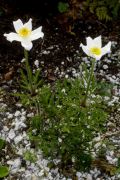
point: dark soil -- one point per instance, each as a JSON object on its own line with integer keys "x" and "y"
{"x": 64, "y": 44}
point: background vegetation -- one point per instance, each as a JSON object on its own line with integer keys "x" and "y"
{"x": 103, "y": 10}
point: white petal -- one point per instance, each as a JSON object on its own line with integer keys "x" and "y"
{"x": 97, "y": 57}
{"x": 106, "y": 49}
{"x": 85, "y": 49}
{"x": 90, "y": 42}
{"x": 29, "y": 24}
{"x": 27, "y": 45}
{"x": 37, "y": 33}
{"x": 97, "y": 42}
{"x": 17, "y": 25}
{"x": 12, "y": 37}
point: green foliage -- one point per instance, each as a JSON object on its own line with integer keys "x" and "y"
{"x": 104, "y": 9}
{"x": 104, "y": 89}
{"x": 102, "y": 13}
{"x": 35, "y": 79}
{"x": 119, "y": 162}
{"x": 4, "y": 171}
{"x": 63, "y": 127}
{"x": 85, "y": 77}
{"x": 63, "y": 7}
{"x": 29, "y": 156}
{"x": 29, "y": 83}
{"x": 28, "y": 95}
{"x": 2, "y": 143}
{"x": 118, "y": 166}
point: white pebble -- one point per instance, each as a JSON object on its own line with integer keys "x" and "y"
{"x": 97, "y": 145}
{"x": 17, "y": 139}
{"x": 66, "y": 76}
{"x": 89, "y": 177}
{"x": 15, "y": 167}
{"x": 5, "y": 128}
{"x": 78, "y": 174}
{"x": 10, "y": 162}
{"x": 10, "y": 116}
{"x": 105, "y": 66}
{"x": 23, "y": 118}
{"x": 11, "y": 134}
{"x": 17, "y": 113}
{"x": 36, "y": 63}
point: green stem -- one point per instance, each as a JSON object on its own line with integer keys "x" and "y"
{"x": 89, "y": 82}
{"x": 28, "y": 69}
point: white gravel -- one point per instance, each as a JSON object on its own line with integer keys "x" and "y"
{"x": 14, "y": 124}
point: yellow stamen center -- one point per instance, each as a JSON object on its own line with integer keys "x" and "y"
{"x": 24, "y": 32}
{"x": 95, "y": 50}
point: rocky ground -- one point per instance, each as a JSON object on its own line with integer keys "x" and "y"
{"x": 59, "y": 56}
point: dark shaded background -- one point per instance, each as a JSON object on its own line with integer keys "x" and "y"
{"x": 43, "y": 8}
{"x": 45, "y": 13}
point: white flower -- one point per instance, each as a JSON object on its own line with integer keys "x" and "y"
{"x": 94, "y": 47}
{"x": 24, "y": 33}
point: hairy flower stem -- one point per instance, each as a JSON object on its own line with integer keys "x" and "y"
{"x": 29, "y": 71}
{"x": 89, "y": 82}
